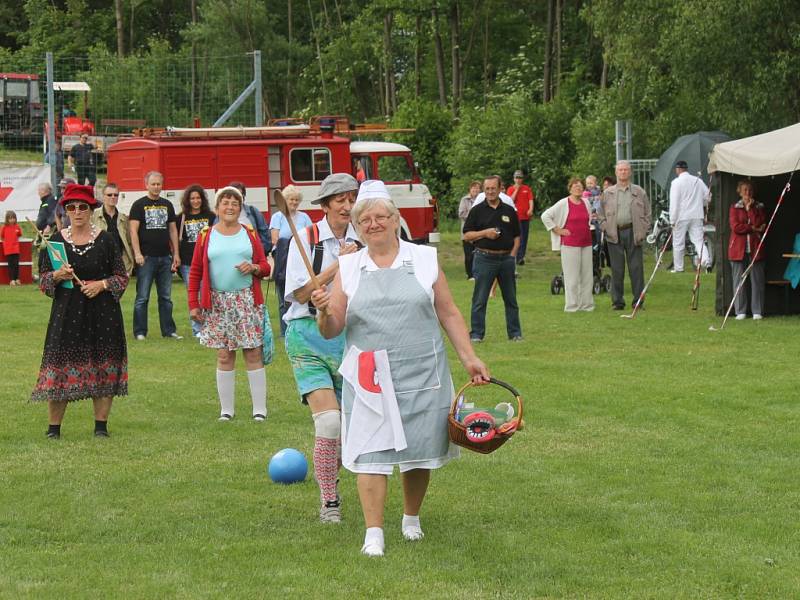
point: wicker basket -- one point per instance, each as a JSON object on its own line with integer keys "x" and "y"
{"x": 458, "y": 432}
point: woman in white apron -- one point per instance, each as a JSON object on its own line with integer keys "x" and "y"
{"x": 390, "y": 299}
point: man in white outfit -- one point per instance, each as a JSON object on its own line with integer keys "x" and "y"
{"x": 688, "y": 197}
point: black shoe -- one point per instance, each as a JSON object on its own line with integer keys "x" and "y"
{"x": 618, "y": 306}
{"x": 521, "y": 261}
{"x": 101, "y": 433}
{"x": 52, "y": 435}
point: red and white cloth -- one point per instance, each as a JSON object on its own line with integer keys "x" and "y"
{"x": 375, "y": 423}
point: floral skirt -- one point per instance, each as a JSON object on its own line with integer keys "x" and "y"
{"x": 233, "y": 322}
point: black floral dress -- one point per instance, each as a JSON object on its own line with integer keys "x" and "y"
{"x": 85, "y": 355}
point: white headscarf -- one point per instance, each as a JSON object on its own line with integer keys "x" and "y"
{"x": 372, "y": 188}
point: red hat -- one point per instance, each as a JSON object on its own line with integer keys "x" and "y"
{"x": 78, "y": 193}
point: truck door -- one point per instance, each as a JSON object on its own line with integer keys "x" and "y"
{"x": 274, "y": 181}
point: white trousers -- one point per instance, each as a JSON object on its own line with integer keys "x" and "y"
{"x": 576, "y": 263}
{"x": 695, "y": 228}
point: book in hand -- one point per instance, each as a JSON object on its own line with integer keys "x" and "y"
{"x": 58, "y": 253}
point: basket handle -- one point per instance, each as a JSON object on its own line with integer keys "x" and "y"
{"x": 517, "y": 419}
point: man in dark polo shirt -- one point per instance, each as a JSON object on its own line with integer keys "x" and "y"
{"x": 492, "y": 227}
{"x": 154, "y": 239}
{"x": 82, "y": 158}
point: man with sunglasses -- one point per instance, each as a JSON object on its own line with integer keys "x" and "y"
{"x": 82, "y": 159}
{"x": 109, "y": 219}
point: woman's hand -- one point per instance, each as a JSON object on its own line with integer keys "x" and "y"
{"x": 64, "y": 273}
{"x": 478, "y": 372}
{"x": 321, "y": 298}
{"x": 247, "y": 268}
{"x": 92, "y": 289}
{"x": 562, "y": 231}
{"x": 196, "y": 315}
{"x": 348, "y": 249}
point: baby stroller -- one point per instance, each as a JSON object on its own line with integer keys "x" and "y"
{"x": 602, "y": 281}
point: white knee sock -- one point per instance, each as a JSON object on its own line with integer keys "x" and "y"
{"x": 226, "y": 386}
{"x": 258, "y": 390}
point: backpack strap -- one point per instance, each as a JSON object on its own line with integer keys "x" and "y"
{"x": 317, "y": 253}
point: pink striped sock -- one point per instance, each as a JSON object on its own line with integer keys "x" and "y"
{"x": 326, "y": 467}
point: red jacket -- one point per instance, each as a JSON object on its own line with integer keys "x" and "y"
{"x": 10, "y": 235}
{"x": 743, "y": 224}
{"x": 199, "y": 274}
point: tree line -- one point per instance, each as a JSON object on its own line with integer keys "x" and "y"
{"x": 489, "y": 85}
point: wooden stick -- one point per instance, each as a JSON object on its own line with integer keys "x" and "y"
{"x": 55, "y": 251}
{"x": 280, "y": 202}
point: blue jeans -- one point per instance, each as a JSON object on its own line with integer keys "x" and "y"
{"x": 156, "y": 268}
{"x": 486, "y": 268}
{"x": 280, "y": 288}
{"x": 184, "y": 271}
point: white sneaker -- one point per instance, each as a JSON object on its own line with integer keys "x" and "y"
{"x": 757, "y": 317}
{"x": 743, "y": 317}
{"x": 330, "y": 512}
{"x": 175, "y": 336}
{"x": 140, "y": 337}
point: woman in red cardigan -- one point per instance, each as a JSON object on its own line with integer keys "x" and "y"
{"x": 748, "y": 219}
{"x": 225, "y": 298}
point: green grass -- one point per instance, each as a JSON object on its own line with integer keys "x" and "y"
{"x": 659, "y": 461}
{"x": 33, "y": 157}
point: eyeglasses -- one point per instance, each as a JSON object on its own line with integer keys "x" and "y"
{"x": 379, "y": 220}
{"x": 115, "y": 195}
{"x": 76, "y": 207}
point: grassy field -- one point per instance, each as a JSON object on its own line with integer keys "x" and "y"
{"x": 660, "y": 460}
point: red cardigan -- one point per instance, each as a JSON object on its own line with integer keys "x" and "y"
{"x": 199, "y": 274}
{"x": 743, "y": 223}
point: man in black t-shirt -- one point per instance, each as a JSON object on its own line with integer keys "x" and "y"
{"x": 82, "y": 158}
{"x": 492, "y": 227}
{"x": 154, "y": 238}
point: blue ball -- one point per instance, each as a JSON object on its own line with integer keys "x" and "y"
{"x": 288, "y": 466}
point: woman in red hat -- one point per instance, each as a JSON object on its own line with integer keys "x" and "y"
{"x": 85, "y": 355}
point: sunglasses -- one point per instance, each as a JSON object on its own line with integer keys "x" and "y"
{"x": 114, "y": 195}
{"x": 75, "y": 207}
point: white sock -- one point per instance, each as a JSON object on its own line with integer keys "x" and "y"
{"x": 226, "y": 386}
{"x": 411, "y": 528}
{"x": 258, "y": 390}
{"x": 373, "y": 542}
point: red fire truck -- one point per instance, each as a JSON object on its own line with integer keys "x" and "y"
{"x": 266, "y": 159}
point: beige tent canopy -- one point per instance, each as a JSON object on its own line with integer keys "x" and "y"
{"x": 770, "y": 153}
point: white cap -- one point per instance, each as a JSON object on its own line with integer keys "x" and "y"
{"x": 372, "y": 189}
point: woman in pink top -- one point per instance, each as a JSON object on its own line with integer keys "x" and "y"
{"x": 568, "y": 222}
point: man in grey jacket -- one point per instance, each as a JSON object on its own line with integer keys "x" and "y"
{"x": 624, "y": 216}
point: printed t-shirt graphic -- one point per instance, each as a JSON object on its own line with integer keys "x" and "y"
{"x": 156, "y": 216}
